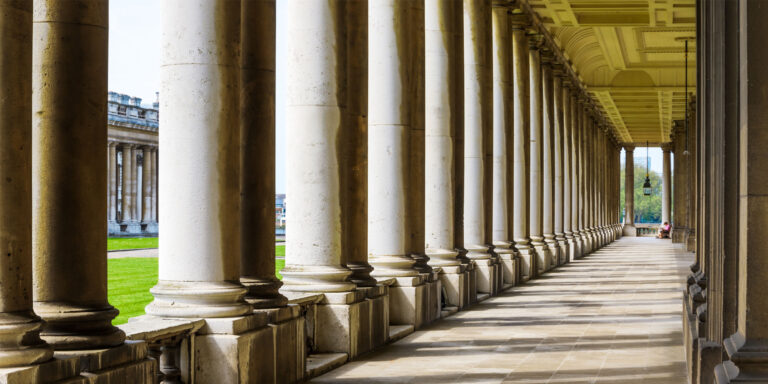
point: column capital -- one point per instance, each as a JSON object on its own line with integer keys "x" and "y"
{"x": 628, "y": 147}
{"x": 536, "y": 41}
{"x": 666, "y": 147}
{"x": 112, "y": 143}
{"x": 519, "y": 21}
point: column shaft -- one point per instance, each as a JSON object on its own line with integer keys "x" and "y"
{"x": 574, "y": 155}
{"x": 314, "y": 172}
{"x": 536, "y": 189}
{"x": 477, "y": 44}
{"x": 567, "y": 165}
{"x": 146, "y": 185}
{"x": 20, "y": 342}
{"x": 559, "y": 161}
{"x": 199, "y": 266}
{"x": 257, "y": 155}
{"x": 127, "y": 186}
{"x": 155, "y": 172}
{"x": 112, "y": 180}
{"x": 548, "y": 158}
{"x": 442, "y": 98}
{"x": 520, "y": 81}
{"x": 502, "y": 130}
{"x": 629, "y": 187}
{"x": 69, "y": 82}
{"x": 666, "y": 185}
{"x": 388, "y": 139}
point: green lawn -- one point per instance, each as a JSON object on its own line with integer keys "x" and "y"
{"x": 118, "y": 243}
{"x": 131, "y": 278}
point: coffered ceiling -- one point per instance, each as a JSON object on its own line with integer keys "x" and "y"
{"x": 630, "y": 54}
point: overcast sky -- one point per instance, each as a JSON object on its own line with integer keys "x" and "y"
{"x": 134, "y": 65}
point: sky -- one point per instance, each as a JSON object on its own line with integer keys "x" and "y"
{"x": 134, "y": 67}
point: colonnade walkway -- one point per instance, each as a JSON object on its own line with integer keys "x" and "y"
{"x": 613, "y": 316}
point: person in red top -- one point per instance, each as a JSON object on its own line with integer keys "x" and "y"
{"x": 664, "y": 230}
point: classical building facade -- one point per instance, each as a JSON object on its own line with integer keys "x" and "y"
{"x": 439, "y": 153}
{"x": 131, "y": 166}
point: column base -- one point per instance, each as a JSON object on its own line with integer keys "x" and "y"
{"x": 128, "y": 228}
{"x": 509, "y": 264}
{"x": 408, "y": 302}
{"x": 235, "y": 350}
{"x": 454, "y": 281}
{"x": 562, "y": 244}
{"x": 52, "y": 371}
{"x": 554, "y": 251}
{"x": 527, "y": 263}
{"x": 748, "y": 361}
{"x": 543, "y": 257}
{"x": 69, "y": 327}
{"x": 263, "y": 293}
{"x": 198, "y": 299}
{"x": 690, "y": 242}
{"x": 113, "y": 228}
{"x": 471, "y": 282}
{"x": 629, "y": 230}
{"x": 343, "y": 323}
{"x": 487, "y": 276}
{"x": 20, "y": 340}
{"x": 149, "y": 228}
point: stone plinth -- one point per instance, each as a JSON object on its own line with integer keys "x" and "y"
{"x": 455, "y": 281}
{"x": 408, "y": 301}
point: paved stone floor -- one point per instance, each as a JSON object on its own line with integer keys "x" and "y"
{"x": 611, "y": 317}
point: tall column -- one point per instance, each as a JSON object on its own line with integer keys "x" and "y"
{"x": 747, "y": 348}
{"x": 388, "y": 137}
{"x": 112, "y": 180}
{"x": 20, "y": 342}
{"x": 135, "y": 195}
{"x": 521, "y": 81}
{"x": 257, "y": 155}
{"x": 575, "y": 172}
{"x": 314, "y": 243}
{"x": 155, "y": 172}
{"x": 629, "y": 191}
{"x": 567, "y": 127}
{"x": 666, "y": 185}
{"x": 548, "y": 159}
{"x": 442, "y": 101}
{"x": 199, "y": 266}
{"x": 69, "y": 81}
{"x": 127, "y": 186}
{"x": 477, "y": 46}
{"x": 502, "y": 141}
{"x": 146, "y": 185}
{"x": 535, "y": 186}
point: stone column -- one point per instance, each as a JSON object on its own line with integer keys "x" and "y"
{"x": 666, "y": 185}
{"x": 521, "y": 81}
{"x": 442, "y": 98}
{"x": 146, "y": 187}
{"x": 127, "y": 186}
{"x": 112, "y": 180}
{"x": 69, "y": 82}
{"x": 567, "y": 126}
{"x": 313, "y": 246}
{"x": 155, "y": 172}
{"x": 502, "y": 143}
{"x": 535, "y": 183}
{"x": 577, "y": 250}
{"x": 629, "y": 191}
{"x": 548, "y": 159}
{"x": 199, "y": 258}
{"x": 477, "y": 45}
{"x": 19, "y": 326}
{"x": 135, "y": 193}
{"x": 257, "y": 155}
{"x": 747, "y": 348}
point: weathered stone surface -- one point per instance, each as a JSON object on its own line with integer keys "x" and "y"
{"x": 245, "y": 358}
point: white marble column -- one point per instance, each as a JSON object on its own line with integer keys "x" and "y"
{"x": 199, "y": 266}
{"x": 535, "y": 183}
{"x": 155, "y": 172}
{"x": 502, "y": 140}
{"x": 388, "y": 136}
{"x": 520, "y": 83}
{"x": 567, "y": 170}
{"x": 666, "y": 185}
{"x": 257, "y": 155}
{"x": 135, "y": 193}
{"x": 314, "y": 111}
{"x": 575, "y": 174}
{"x": 629, "y": 191}
{"x": 20, "y": 342}
{"x": 112, "y": 181}
{"x": 127, "y": 186}
{"x": 69, "y": 84}
{"x": 146, "y": 185}
{"x": 548, "y": 159}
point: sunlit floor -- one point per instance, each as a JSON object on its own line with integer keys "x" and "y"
{"x": 612, "y": 317}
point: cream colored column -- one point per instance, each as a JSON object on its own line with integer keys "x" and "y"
{"x": 536, "y": 188}
{"x": 629, "y": 191}
{"x": 127, "y": 186}
{"x": 441, "y": 94}
{"x": 575, "y": 174}
{"x": 257, "y": 154}
{"x": 146, "y": 185}
{"x": 112, "y": 180}
{"x": 502, "y": 139}
{"x": 134, "y": 174}
{"x": 199, "y": 266}
{"x": 567, "y": 126}
{"x": 69, "y": 173}
{"x": 520, "y": 83}
{"x": 388, "y": 137}
{"x": 666, "y": 186}
{"x": 20, "y": 342}
{"x": 475, "y": 98}
{"x": 314, "y": 110}
{"x": 548, "y": 159}
{"x": 155, "y": 172}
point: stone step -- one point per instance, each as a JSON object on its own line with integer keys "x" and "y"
{"x": 397, "y": 332}
{"x": 320, "y": 363}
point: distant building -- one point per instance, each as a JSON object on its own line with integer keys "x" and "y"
{"x": 280, "y": 214}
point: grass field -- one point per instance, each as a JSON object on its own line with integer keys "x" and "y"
{"x": 131, "y": 278}
{"x": 119, "y": 243}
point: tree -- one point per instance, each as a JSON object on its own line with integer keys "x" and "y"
{"x": 647, "y": 208}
